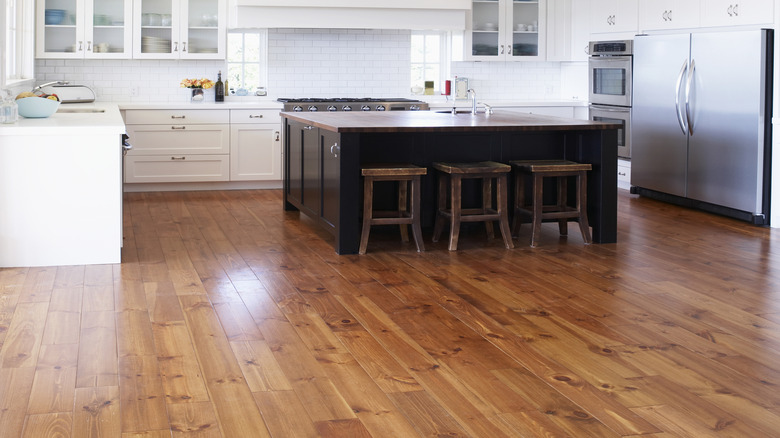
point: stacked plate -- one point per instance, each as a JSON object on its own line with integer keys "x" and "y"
{"x": 151, "y": 44}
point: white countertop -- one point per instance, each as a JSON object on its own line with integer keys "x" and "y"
{"x": 440, "y": 102}
{"x": 64, "y": 123}
{"x": 228, "y": 104}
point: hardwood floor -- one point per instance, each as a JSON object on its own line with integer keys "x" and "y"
{"x": 232, "y": 318}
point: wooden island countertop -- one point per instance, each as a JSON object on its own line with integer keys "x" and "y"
{"x": 324, "y": 151}
{"x": 430, "y": 121}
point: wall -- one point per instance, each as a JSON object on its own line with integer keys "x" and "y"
{"x": 312, "y": 63}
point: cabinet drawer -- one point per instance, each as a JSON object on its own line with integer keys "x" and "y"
{"x": 255, "y": 116}
{"x": 179, "y": 139}
{"x": 168, "y": 116}
{"x": 176, "y": 168}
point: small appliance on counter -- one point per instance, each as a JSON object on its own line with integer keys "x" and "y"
{"x": 70, "y": 93}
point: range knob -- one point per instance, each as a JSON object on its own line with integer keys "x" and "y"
{"x": 380, "y": 107}
{"x": 414, "y": 107}
{"x": 365, "y": 108}
{"x": 346, "y": 108}
{"x": 297, "y": 108}
{"x": 332, "y": 108}
{"x": 312, "y": 108}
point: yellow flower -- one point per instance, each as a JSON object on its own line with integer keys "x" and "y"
{"x": 196, "y": 83}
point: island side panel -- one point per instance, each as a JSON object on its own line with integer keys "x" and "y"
{"x": 599, "y": 148}
{"x": 344, "y": 186}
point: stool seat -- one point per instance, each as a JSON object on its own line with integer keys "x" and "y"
{"x": 561, "y": 211}
{"x": 487, "y": 171}
{"x": 408, "y": 212}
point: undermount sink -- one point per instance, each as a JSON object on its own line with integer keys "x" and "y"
{"x": 80, "y": 110}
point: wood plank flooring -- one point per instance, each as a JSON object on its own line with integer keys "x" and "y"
{"x": 232, "y": 318}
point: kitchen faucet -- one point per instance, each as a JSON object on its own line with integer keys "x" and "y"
{"x": 473, "y": 98}
{"x": 39, "y": 87}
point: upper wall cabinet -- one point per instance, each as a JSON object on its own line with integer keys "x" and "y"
{"x": 668, "y": 14}
{"x": 506, "y": 30}
{"x": 568, "y": 32}
{"x": 179, "y": 29}
{"x": 613, "y": 16}
{"x": 735, "y": 13}
{"x": 84, "y": 28}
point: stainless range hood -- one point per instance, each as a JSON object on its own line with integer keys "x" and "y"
{"x": 351, "y": 14}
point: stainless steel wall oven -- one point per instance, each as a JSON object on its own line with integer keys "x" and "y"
{"x": 610, "y": 90}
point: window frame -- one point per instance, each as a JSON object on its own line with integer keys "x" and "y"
{"x": 17, "y": 17}
{"x": 445, "y": 57}
{"x": 263, "y": 61}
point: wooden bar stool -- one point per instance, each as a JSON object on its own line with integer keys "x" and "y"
{"x": 404, "y": 174}
{"x": 561, "y": 211}
{"x": 487, "y": 171}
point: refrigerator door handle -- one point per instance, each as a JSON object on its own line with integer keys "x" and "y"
{"x": 689, "y": 85}
{"x": 680, "y": 77}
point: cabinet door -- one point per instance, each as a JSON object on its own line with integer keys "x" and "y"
{"x": 179, "y": 139}
{"x": 732, "y": 13}
{"x": 613, "y": 16}
{"x": 311, "y": 196}
{"x": 525, "y": 29}
{"x": 255, "y": 152}
{"x": 60, "y": 29}
{"x": 108, "y": 28}
{"x": 668, "y": 14}
{"x": 484, "y": 39}
{"x": 202, "y": 29}
{"x": 156, "y": 29}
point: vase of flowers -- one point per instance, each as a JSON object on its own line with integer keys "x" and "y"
{"x": 196, "y": 87}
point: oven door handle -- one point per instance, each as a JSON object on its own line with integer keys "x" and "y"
{"x": 609, "y": 108}
{"x": 677, "y": 105}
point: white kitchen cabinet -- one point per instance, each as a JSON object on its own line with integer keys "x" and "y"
{"x": 178, "y": 145}
{"x": 255, "y": 145}
{"x": 84, "y": 29}
{"x": 735, "y": 13}
{"x": 669, "y": 14}
{"x": 179, "y": 29}
{"x": 607, "y": 16}
{"x": 567, "y": 30}
{"x": 624, "y": 173}
{"x": 506, "y": 30}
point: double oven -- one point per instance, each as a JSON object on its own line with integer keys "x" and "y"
{"x": 609, "y": 74}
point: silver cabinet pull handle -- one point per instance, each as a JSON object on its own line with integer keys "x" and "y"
{"x": 178, "y": 117}
{"x": 335, "y": 149}
{"x": 179, "y": 127}
{"x": 277, "y": 136}
{"x": 308, "y": 127}
{"x": 178, "y": 158}
{"x": 184, "y": 46}
{"x": 252, "y": 116}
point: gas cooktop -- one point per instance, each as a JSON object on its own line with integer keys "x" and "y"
{"x": 351, "y": 104}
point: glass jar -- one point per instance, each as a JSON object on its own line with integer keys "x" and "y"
{"x": 9, "y": 111}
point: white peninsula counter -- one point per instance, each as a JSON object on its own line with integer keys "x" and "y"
{"x": 61, "y": 188}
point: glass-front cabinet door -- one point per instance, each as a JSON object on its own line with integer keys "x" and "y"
{"x": 180, "y": 29}
{"x": 505, "y": 30}
{"x": 84, "y": 29}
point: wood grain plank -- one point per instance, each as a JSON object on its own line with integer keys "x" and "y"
{"x": 181, "y": 375}
{"x": 23, "y": 341}
{"x": 285, "y": 415}
{"x": 193, "y": 420}
{"x": 53, "y": 391}
{"x": 427, "y": 416}
{"x": 134, "y": 333}
{"x": 15, "y": 386}
{"x": 38, "y": 284}
{"x": 54, "y": 425}
{"x": 259, "y": 366}
{"x": 96, "y": 412}
{"x": 98, "y": 336}
{"x": 141, "y": 395}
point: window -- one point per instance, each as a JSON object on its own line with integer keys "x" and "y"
{"x": 247, "y": 60}
{"x": 16, "y": 42}
{"x": 430, "y": 60}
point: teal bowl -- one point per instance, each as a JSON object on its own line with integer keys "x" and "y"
{"x": 37, "y": 107}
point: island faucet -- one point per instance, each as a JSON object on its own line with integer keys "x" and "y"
{"x": 473, "y": 97}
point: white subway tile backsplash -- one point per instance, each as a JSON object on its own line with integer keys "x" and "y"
{"x": 320, "y": 63}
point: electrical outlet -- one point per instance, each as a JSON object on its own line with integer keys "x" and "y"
{"x": 133, "y": 91}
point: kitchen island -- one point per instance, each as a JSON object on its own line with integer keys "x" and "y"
{"x": 61, "y": 188}
{"x": 323, "y": 153}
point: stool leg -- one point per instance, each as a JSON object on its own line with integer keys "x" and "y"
{"x": 415, "y": 214}
{"x": 455, "y": 188}
{"x": 519, "y": 202}
{"x": 563, "y": 227}
{"x": 536, "y": 230}
{"x": 582, "y": 205}
{"x": 438, "y": 226}
{"x": 402, "y": 200}
{"x": 501, "y": 207}
{"x": 487, "y": 203}
{"x": 368, "y": 199}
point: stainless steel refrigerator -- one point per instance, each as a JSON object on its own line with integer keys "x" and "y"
{"x": 701, "y": 122}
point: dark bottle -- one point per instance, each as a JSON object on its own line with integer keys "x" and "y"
{"x": 219, "y": 89}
